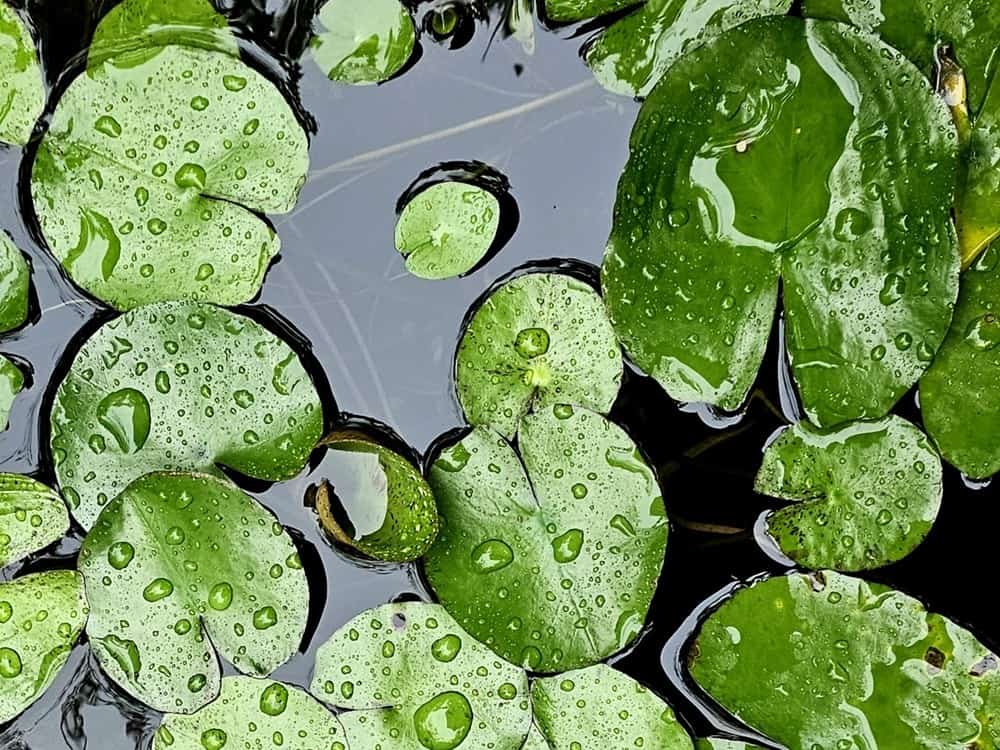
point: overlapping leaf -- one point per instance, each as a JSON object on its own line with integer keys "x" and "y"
{"x": 363, "y": 41}
{"x": 15, "y": 279}
{"x": 32, "y": 516}
{"x": 11, "y": 384}
{"x": 22, "y": 92}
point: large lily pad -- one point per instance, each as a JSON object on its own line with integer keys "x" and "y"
{"x": 863, "y": 496}
{"x": 179, "y": 568}
{"x": 11, "y": 384}
{"x": 182, "y": 386}
{"x": 775, "y": 152}
{"x": 538, "y": 340}
{"x": 552, "y": 563}
{"x": 22, "y": 92}
{"x": 150, "y": 181}
{"x": 411, "y": 678}
{"x": 32, "y": 516}
{"x": 599, "y": 708}
{"x": 830, "y": 661}
{"x": 254, "y": 714}
{"x": 364, "y": 41}
{"x": 41, "y": 616}
{"x": 14, "y": 281}
{"x": 959, "y": 395}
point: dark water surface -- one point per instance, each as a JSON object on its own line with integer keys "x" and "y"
{"x": 384, "y": 340}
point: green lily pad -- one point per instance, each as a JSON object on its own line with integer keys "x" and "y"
{"x": 632, "y": 55}
{"x": 389, "y": 506}
{"x": 180, "y": 568}
{"x": 959, "y": 397}
{"x": 863, "y": 495}
{"x": 410, "y": 678}
{"x": 364, "y": 41}
{"x": 599, "y": 708}
{"x": 551, "y": 563}
{"x": 447, "y": 229}
{"x": 11, "y": 384}
{"x": 32, "y": 517}
{"x": 579, "y": 10}
{"x": 149, "y": 183}
{"x": 22, "y": 91}
{"x": 185, "y": 386}
{"x": 773, "y": 153}
{"x": 15, "y": 277}
{"x": 41, "y": 616}
{"x": 827, "y": 660}
{"x": 538, "y": 340}
{"x": 255, "y": 714}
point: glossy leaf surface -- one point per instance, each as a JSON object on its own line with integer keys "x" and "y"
{"x": 22, "y": 92}
{"x": 363, "y": 41}
{"x": 15, "y": 278}
{"x": 32, "y": 517}
{"x": 11, "y": 384}
{"x": 578, "y": 10}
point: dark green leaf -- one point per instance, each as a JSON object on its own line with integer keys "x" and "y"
{"x": 22, "y": 92}
{"x": 364, "y": 41}
{"x": 32, "y": 516}
{"x": 15, "y": 279}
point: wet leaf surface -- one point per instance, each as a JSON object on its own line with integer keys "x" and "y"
{"x": 15, "y": 279}
{"x": 22, "y": 92}
{"x": 714, "y": 743}
{"x": 32, "y": 516}
{"x": 363, "y": 42}
{"x": 578, "y": 10}
{"x": 11, "y": 384}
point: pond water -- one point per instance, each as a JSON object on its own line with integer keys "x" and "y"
{"x": 381, "y": 341}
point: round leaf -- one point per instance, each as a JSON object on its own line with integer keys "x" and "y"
{"x": 149, "y": 183}
{"x": 959, "y": 396}
{"x": 831, "y": 661}
{"x": 772, "y": 152}
{"x": 579, "y": 10}
{"x": 32, "y": 517}
{"x": 412, "y": 679}
{"x": 11, "y": 384}
{"x": 864, "y": 495}
{"x": 447, "y": 229}
{"x": 254, "y": 714}
{"x": 22, "y": 92}
{"x": 180, "y": 567}
{"x": 179, "y": 386}
{"x": 15, "y": 278}
{"x": 539, "y": 339}
{"x": 599, "y": 708}
{"x": 364, "y": 41}
{"x": 552, "y": 563}
{"x": 41, "y": 616}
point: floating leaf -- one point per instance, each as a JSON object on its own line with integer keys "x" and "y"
{"x": 388, "y": 504}
{"x": 22, "y": 92}
{"x": 539, "y": 339}
{"x": 412, "y": 679}
{"x": 32, "y": 516}
{"x": 776, "y": 153}
{"x": 863, "y": 496}
{"x": 447, "y": 229}
{"x": 552, "y": 563}
{"x": 364, "y": 41}
{"x": 179, "y": 385}
{"x": 830, "y": 661}
{"x": 11, "y": 384}
{"x": 254, "y": 714}
{"x": 959, "y": 397}
{"x": 180, "y": 567}
{"x": 578, "y": 10}
{"x": 599, "y": 708}
{"x": 41, "y": 616}
{"x": 149, "y": 183}
{"x": 14, "y": 281}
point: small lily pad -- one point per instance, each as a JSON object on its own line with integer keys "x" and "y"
{"x": 11, "y": 384}
{"x": 257, "y": 714}
{"x": 537, "y": 340}
{"x": 447, "y": 229}
{"x": 551, "y": 563}
{"x": 579, "y": 10}
{"x": 41, "y": 616}
{"x": 410, "y": 678}
{"x": 388, "y": 504}
{"x": 959, "y": 397}
{"x": 15, "y": 277}
{"x": 22, "y": 91}
{"x": 180, "y": 568}
{"x": 599, "y": 708}
{"x": 364, "y": 41}
{"x": 863, "y": 496}
{"x": 32, "y": 517}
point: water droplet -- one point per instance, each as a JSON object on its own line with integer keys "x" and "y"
{"x": 983, "y": 333}
{"x": 892, "y": 290}
{"x": 199, "y": 104}
{"x": 274, "y": 699}
{"x": 562, "y": 411}
{"x": 213, "y": 739}
{"x": 160, "y": 588}
{"x": 234, "y": 83}
{"x": 622, "y": 524}
{"x": 443, "y": 722}
{"x": 197, "y": 683}
{"x": 108, "y": 125}
{"x": 120, "y": 554}
{"x": 851, "y": 224}
{"x": 507, "y": 691}
{"x": 191, "y": 176}
{"x": 566, "y": 548}
{"x": 10, "y": 663}
{"x": 264, "y": 618}
{"x": 125, "y": 414}
{"x": 531, "y": 342}
{"x": 492, "y": 555}
{"x": 447, "y": 648}
{"x": 220, "y": 597}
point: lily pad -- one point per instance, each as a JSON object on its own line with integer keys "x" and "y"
{"x": 11, "y": 384}
{"x": 180, "y": 568}
{"x": 15, "y": 277}
{"x": 856, "y": 665}
{"x": 863, "y": 496}
{"x": 599, "y": 708}
{"x": 256, "y": 714}
{"x": 959, "y": 397}
{"x": 150, "y": 182}
{"x": 32, "y": 517}
{"x": 185, "y": 386}
{"x": 632, "y": 55}
{"x": 22, "y": 91}
{"x": 364, "y": 41}
{"x": 447, "y": 229}
{"x": 537, "y": 340}
{"x": 41, "y": 616}
{"x": 551, "y": 563}
{"x": 390, "y": 510}
{"x": 410, "y": 678}
{"x": 773, "y": 153}
{"x": 579, "y": 10}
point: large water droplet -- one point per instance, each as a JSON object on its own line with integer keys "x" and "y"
{"x": 274, "y": 699}
{"x": 492, "y": 555}
{"x": 125, "y": 414}
{"x": 213, "y": 739}
{"x": 532, "y": 342}
{"x": 983, "y": 333}
{"x": 10, "y": 663}
{"x": 160, "y": 588}
{"x": 443, "y": 722}
{"x": 447, "y": 648}
{"x": 120, "y": 554}
{"x": 566, "y": 547}
{"x": 220, "y": 597}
